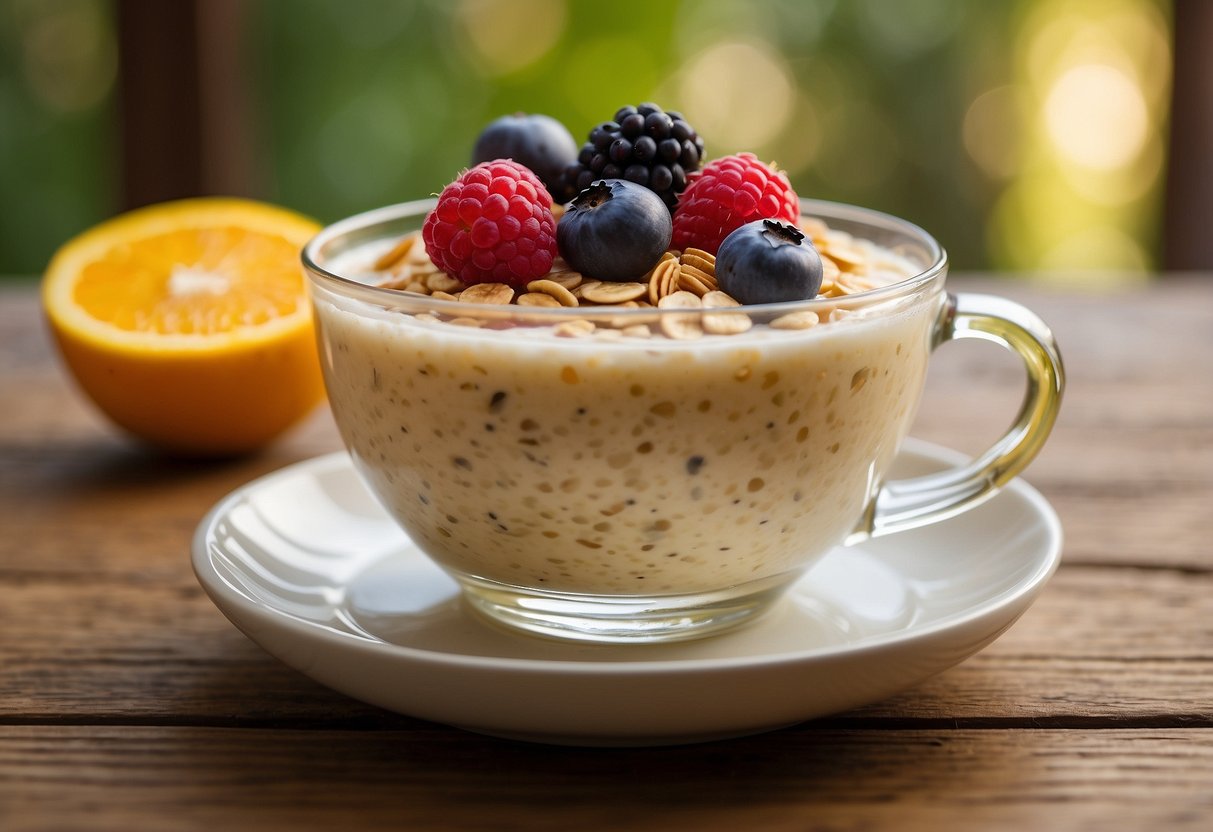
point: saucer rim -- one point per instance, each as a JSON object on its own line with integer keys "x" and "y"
{"x": 215, "y": 584}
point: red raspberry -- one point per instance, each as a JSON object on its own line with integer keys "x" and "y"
{"x": 493, "y": 224}
{"x": 728, "y": 193}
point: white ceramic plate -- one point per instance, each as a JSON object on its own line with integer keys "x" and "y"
{"x": 306, "y": 563}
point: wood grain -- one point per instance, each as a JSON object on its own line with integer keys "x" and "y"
{"x": 127, "y": 701}
{"x": 189, "y": 778}
{"x": 93, "y": 648}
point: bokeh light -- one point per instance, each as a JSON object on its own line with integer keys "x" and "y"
{"x": 1096, "y": 117}
{"x": 1094, "y": 75}
{"x": 740, "y": 93}
{"x": 1028, "y": 135}
{"x": 69, "y": 57}
{"x": 507, "y": 37}
{"x": 992, "y": 131}
{"x": 588, "y": 88}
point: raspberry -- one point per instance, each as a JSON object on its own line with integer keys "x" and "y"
{"x": 728, "y": 193}
{"x": 493, "y": 224}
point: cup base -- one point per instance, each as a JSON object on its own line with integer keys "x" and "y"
{"x": 621, "y": 619}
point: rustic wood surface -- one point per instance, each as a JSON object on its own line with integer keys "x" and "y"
{"x": 127, "y": 701}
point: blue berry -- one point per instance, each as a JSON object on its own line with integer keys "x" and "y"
{"x": 768, "y": 261}
{"x": 539, "y": 142}
{"x": 614, "y": 230}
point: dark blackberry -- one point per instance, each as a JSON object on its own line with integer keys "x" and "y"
{"x": 643, "y": 144}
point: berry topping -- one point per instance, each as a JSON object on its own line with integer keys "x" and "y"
{"x": 540, "y": 142}
{"x": 645, "y": 145}
{"x": 614, "y": 230}
{"x": 767, "y": 261}
{"x": 727, "y": 194}
{"x": 493, "y": 224}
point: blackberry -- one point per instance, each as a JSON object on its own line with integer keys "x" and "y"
{"x": 645, "y": 145}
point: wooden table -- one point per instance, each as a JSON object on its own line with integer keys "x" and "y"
{"x": 128, "y": 702}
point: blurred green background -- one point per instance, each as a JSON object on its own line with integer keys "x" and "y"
{"x": 1025, "y": 134}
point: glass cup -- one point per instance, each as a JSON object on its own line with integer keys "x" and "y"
{"x": 584, "y": 482}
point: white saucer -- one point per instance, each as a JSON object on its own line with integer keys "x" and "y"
{"x": 306, "y": 563}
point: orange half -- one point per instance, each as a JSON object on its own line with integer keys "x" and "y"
{"x": 188, "y": 323}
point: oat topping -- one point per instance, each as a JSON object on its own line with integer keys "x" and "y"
{"x": 724, "y": 323}
{"x": 796, "y": 320}
{"x": 537, "y": 299}
{"x": 550, "y": 287}
{"x": 611, "y": 293}
{"x": 395, "y": 254}
{"x": 663, "y": 279}
{"x": 681, "y": 327}
{"x": 492, "y": 293}
{"x": 680, "y": 279}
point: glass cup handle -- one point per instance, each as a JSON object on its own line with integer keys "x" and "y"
{"x": 911, "y": 503}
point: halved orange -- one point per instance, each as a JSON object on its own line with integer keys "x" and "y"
{"x": 188, "y": 323}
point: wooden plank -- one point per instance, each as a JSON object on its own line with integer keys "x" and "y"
{"x": 142, "y": 645}
{"x": 1100, "y": 646}
{"x": 188, "y": 778}
{"x": 1137, "y": 527}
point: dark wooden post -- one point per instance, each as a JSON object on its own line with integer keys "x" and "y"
{"x": 1188, "y": 217}
{"x": 183, "y": 100}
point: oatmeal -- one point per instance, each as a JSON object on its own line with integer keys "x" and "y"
{"x": 601, "y": 453}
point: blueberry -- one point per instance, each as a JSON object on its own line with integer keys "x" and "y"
{"x": 614, "y": 230}
{"x": 540, "y": 142}
{"x": 767, "y": 261}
